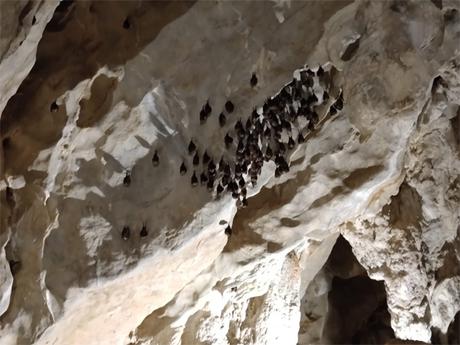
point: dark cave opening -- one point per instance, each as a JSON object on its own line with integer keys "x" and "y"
{"x": 358, "y": 311}
{"x": 452, "y": 336}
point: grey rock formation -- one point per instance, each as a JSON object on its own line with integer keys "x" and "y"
{"x": 359, "y": 242}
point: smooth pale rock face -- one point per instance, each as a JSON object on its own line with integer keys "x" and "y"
{"x": 130, "y": 78}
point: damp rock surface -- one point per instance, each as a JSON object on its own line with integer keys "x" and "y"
{"x": 113, "y": 232}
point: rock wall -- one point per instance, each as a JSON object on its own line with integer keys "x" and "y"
{"x": 90, "y": 90}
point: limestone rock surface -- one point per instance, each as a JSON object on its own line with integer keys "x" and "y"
{"x": 358, "y": 243}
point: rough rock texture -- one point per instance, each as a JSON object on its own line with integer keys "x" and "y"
{"x": 367, "y": 219}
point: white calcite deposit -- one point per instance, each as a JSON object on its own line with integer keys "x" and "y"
{"x": 130, "y": 78}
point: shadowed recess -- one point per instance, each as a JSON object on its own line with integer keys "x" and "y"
{"x": 94, "y": 108}
{"x": 351, "y": 50}
{"x": 360, "y": 176}
{"x": 358, "y": 309}
{"x": 405, "y": 208}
